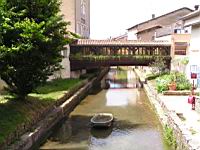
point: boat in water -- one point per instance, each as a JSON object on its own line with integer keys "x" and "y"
{"x": 102, "y": 120}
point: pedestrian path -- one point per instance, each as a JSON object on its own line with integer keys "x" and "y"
{"x": 189, "y": 117}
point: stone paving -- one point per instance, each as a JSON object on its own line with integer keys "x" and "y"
{"x": 189, "y": 117}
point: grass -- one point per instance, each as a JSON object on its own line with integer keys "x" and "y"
{"x": 169, "y": 137}
{"x": 14, "y": 113}
{"x": 57, "y": 85}
{"x": 55, "y": 89}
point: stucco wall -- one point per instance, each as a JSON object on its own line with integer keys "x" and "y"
{"x": 147, "y": 35}
{"x": 132, "y": 34}
{"x": 68, "y": 10}
{"x": 191, "y": 21}
{"x": 164, "y": 20}
{"x": 83, "y": 19}
{"x": 194, "y": 52}
{"x": 195, "y": 38}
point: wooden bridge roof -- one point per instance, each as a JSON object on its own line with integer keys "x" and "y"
{"x": 89, "y": 42}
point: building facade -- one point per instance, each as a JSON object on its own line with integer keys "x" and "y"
{"x": 146, "y": 30}
{"x": 192, "y": 20}
{"x": 77, "y": 12}
{"x": 178, "y": 36}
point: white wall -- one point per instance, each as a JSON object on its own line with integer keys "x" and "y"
{"x": 192, "y": 21}
{"x": 132, "y": 35}
{"x": 194, "y": 51}
{"x": 195, "y": 38}
{"x": 68, "y": 10}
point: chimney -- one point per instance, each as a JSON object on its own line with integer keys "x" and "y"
{"x": 196, "y": 7}
{"x": 153, "y": 16}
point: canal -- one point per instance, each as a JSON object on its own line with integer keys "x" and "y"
{"x": 135, "y": 125}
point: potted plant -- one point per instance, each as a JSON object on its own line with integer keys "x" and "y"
{"x": 172, "y": 84}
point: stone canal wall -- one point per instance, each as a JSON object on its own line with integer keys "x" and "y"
{"x": 170, "y": 118}
{"x": 62, "y": 109}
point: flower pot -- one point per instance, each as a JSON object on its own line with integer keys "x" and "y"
{"x": 172, "y": 86}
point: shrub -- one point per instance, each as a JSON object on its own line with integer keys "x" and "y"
{"x": 169, "y": 137}
{"x": 182, "y": 83}
{"x": 162, "y": 83}
{"x": 154, "y": 76}
{"x": 159, "y": 65}
{"x": 32, "y": 35}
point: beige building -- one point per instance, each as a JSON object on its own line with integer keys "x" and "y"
{"x": 185, "y": 37}
{"x": 178, "y": 36}
{"x": 146, "y": 30}
{"x": 179, "y": 39}
{"x": 77, "y": 12}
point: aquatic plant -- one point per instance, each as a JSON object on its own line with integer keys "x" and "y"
{"x": 169, "y": 136}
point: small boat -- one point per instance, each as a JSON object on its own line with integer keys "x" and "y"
{"x": 102, "y": 120}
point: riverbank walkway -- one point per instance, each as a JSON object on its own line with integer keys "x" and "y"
{"x": 190, "y": 119}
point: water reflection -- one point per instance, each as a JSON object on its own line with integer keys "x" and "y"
{"x": 135, "y": 126}
{"x": 101, "y": 133}
{"x": 122, "y": 97}
{"x": 64, "y": 133}
{"x": 122, "y": 79}
{"x": 128, "y": 140}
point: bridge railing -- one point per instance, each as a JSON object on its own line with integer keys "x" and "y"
{"x": 88, "y": 62}
{"x": 91, "y": 53}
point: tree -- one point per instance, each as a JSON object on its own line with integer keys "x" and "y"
{"x": 159, "y": 65}
{"x": 32, "y": 36}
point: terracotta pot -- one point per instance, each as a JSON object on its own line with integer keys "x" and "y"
{"x": 172, "y": 86}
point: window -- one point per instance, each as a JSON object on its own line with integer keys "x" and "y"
{"x": 177, "y": 31}
{"x": 180, "y": 48}
{"x": 82, "y": 21}
{"x": 83, "y": 7}
{"x": 153, "y": 38}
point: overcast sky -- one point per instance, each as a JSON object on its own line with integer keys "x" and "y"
{"x": 110, "y": 18}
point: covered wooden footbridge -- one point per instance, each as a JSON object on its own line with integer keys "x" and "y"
{"x": 87, "y": 54}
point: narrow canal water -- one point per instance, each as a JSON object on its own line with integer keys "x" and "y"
{"x": 135, "y": 126}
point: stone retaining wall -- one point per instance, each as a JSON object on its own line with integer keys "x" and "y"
{"x": 169, "y": 118}
{"x": 60, "y": 110}
{"x": 23, "y": 128}
{"x": 182, "y": 134}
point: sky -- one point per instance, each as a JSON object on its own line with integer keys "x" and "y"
{"x": 111, "y": 18}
